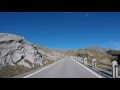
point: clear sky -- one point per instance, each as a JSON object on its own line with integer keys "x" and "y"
{"x": 64, "y": 30}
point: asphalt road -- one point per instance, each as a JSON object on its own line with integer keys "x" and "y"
{"x": 65, "y": 68}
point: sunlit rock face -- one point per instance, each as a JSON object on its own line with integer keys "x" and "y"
{"x": 15, "y": 50}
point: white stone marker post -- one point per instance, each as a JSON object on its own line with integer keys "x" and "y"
{"x": 85, "y": 61}
{"x": 94, "y": 63}
{"x": 114, "y": 69}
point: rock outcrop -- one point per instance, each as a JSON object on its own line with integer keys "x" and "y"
{"x": 115, "y": 54}
{"x": 15, "y": 50}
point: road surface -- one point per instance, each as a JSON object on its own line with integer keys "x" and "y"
{"x": 64, "y": 68}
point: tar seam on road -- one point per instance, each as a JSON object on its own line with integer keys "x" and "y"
{"x": 43, "y": 68}
{"x": 88, "y": 69}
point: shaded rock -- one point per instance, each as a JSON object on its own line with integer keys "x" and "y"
{"x": 115, "y": 54}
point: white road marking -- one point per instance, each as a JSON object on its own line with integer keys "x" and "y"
{"x": 88, "y": 69}
{"x": 43, "y": 68}
{"x": 58, "y": 62}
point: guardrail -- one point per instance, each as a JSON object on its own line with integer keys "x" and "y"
{"x": 117, "y": 71}
{"x": 112, "y": 72}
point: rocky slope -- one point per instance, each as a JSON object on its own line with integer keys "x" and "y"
{"x": 15, "y": 50}
{"x": 50, "y": 54}
{"x": 115, "y": 54}
{"x": 100, "y": 49}
{"x": 90, "y": 54}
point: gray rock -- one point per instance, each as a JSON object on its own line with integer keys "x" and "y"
{"x": 15, "y": 50}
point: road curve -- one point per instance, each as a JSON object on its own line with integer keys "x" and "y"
{"x": 65, "y": 68}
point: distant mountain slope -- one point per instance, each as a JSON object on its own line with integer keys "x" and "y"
{"x": 16, "y": 50}
{"x": 101, "y": 49}
{"x": 90, "y": 54}
{"x": 50, "y": 54}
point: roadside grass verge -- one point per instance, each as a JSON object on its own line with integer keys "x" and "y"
{"x": 119, "y": 71}
{"x": 11, "y": 71}
{"x": 105, "y": 67}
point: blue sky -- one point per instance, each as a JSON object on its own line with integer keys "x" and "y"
{"x": 64, "y": 30}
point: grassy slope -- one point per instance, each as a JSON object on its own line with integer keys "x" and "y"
{"x": 10, "y": 71}
{"x": 105, "y": 58}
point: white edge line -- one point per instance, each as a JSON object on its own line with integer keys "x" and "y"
{"x": 88, "y": 69}
{"x": 43, "y": 68}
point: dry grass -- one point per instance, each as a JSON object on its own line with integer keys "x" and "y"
{"x": 105, "y": 67}
{"x": 10, "y": 71}
{"x": 104, "y": 59}
{"x": 47, "y": 62}
{"x": 90, "y": 54}
{"x": 119, "y": 71}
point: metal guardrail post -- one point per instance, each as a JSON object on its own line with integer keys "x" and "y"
{"x": 115, "y": 69}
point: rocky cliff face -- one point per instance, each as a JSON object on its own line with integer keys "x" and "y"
{"x": 15, "y": 50}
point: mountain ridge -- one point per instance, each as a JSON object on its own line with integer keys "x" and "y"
{"x": 15, "y": 51}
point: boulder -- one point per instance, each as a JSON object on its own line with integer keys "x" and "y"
{"x": 15, "y": 50}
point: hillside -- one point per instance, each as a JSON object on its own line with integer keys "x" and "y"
{"x": 90, "y": 54}
{"x": 17, "y": 55}
{"x": 100, "y": 49}
{"x": 50, "y": 54}
{"x": 15, "y": 50}
{"x": 115, "y": 54}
